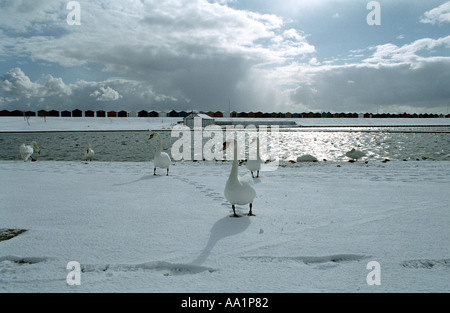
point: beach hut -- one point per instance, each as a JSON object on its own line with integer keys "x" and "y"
{"x": 42, "y": 113}
{"x": 288, "y": 115}
{"x": 122, "y": 114}
{"x": 259, "y": 115}
{"x": 234, "y": 114}
{"x": 251, "y": 114}
{"x": 53, "y": 113}
{"x": 4, "y": 113}
{"x": 66, "y": 114}
{"x": 153, "y": 114}
{"x": 367, "y": 115}
{"x": 89, "y": 113}
{"x": 218, "y": 114}
{"x": 173, "y": 113}
{"x": 132, "y": 114}
{"x": 205, "y": 120}
{"x": 101, "y": 113}
{"x": 210, "y": 113}
{"x": 30, "y": 113}
{"x": 182, "y": 114}
{"x": 143, "y": 113}
{"x": 112, "y": 114}
{"x": 296, "y": 115}
{"x": 77, "y": 113}
{"x": 16, "y": 113}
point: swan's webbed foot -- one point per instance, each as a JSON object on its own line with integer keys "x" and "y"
{"x": 234, "y": 212}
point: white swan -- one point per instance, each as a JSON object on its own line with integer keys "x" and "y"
{"x": 161, "y": 159}
{"x": 238, "y": 190}
{"x": 255, "y": 165}
{"x": 26, "y": 151}
{"x": 89, "y": 154}
{"x": 355, "y": 154}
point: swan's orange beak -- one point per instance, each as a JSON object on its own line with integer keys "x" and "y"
{"x": 225, "y": 146}
{"x": 151, "y": 137}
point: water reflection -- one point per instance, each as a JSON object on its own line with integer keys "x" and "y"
{"x": 330, "y": 145}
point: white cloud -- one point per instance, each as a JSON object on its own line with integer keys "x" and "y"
{"x": 16, "y": 83}
{"x": 199, "y": 54}
{"x": 106, "y": 94}
{"x": 409, "y": 53}
{"x": 439, "y": 15}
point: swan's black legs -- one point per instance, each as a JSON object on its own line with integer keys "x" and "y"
{"x": 252, "y": 175}
{"x": 234, "y": 211}
{"x": 257, "y": 174}
{"x": 250, "y": 212}
{"x": 154, "y": 171}
{"x": 167, "y": 172}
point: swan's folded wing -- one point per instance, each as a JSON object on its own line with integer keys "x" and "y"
{"x": 246, "y": 179}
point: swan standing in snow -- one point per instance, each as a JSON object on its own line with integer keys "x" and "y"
{"x": 161, "y": 159}
{"x": 238, "y": 190}
{"x": 355, "y": 154}
{"x": 89, "y": 154}
{"x": 26, "y": 151}
{"x": 255, "y": 165}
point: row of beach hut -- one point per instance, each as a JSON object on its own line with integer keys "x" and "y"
{"x": 217, "y": 114}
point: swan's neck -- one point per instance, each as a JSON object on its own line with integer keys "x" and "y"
{"x": 234, "y": 168}
{"x": 257, "y": 149}
{"x": 159, "y": 147}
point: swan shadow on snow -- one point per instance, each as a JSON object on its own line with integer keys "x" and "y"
{"x": 223, "y": 228}
{"x": 256, "y": 180}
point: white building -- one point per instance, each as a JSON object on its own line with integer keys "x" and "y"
{"x": 197, "y": 119}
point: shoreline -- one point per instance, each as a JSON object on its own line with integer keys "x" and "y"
{"x": 89, "y": 124}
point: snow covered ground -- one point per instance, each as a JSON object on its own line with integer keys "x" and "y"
{"x": 316, "y": 229}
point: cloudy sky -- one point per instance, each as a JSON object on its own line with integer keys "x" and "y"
{"x": 250, "y": 55}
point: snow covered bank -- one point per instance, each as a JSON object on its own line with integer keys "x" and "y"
{"x": 19, "y": 124}
{"x": 316, "y": 228}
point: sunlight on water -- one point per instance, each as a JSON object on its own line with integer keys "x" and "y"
{"x": 329, "y": 144}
